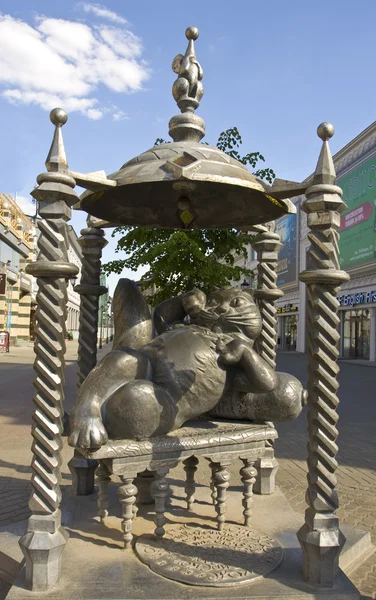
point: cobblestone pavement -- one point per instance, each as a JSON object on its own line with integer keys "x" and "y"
{"x": 356, "y": 473}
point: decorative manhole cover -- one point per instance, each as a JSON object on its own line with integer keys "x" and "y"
{"x": 199, "y": 556}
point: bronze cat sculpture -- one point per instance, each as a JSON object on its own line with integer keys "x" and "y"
{"x": 202, "y": 361}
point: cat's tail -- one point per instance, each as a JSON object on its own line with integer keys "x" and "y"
{"x": 132, "y": 318}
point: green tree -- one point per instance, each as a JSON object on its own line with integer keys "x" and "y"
{"x": 179, "y": 260}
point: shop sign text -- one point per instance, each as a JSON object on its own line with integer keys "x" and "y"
{"x": 360, "y": 298}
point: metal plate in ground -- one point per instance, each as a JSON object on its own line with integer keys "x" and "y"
{"x": 207, "y": 557}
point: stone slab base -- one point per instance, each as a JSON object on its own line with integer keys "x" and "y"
{"x": 11, "y": 557}
{"x": 96, "y": 567}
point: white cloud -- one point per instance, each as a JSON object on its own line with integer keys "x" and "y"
{"x": 119, "y": 116}
{"x": 60, "y": 62}
{"x": 26, "y": 204}
{"x": 121, "y": 41}
{"x": 49, "y": 101}
{"x": 102, "y": 12}
{"x": 94, "y": 113}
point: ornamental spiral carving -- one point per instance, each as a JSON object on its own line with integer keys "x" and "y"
{"x": 92, "y": 243}
{"x": 323, "y": 337}
{"x": 49, "y": 365}
{"x": 267, "y": 245}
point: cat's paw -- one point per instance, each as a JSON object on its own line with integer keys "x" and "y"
{"x": 230, "y": 353}
{"x": 87, "y": 433}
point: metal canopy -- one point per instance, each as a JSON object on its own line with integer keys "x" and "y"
{"x": 186, "y": 183}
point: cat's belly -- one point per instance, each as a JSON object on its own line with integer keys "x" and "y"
{"x": 186, "y": 364}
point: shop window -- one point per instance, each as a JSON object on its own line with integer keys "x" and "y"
{"x": 356, "y": 334}
{"x": 291, "y": 331}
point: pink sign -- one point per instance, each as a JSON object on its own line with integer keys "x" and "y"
{"x": 358, "y": 215}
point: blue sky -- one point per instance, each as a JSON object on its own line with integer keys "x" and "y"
{"x": 273, "y": 69}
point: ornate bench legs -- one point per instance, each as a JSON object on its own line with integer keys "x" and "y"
{"x": 159, "y": 491}
{"x": 190, "y": 467}
{"x": 213, "y": 467}
{"x": 248, "y": 474}
{"x": 127, "y": 496}
{"x": 220, "y": 478}
{"x": 103, "y": 479}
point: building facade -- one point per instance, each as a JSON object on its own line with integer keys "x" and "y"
{"x": 73, "y": 306}
{"x": 17, "y": 249}
{"x": 105, "y": 316}
{"x": 356, "y": 174}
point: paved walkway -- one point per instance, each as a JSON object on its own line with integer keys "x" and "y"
{"x": 356, "y": 473}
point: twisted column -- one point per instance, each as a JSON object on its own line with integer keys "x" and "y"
{"x": 267, "y": 245}
{"x": 92, "y": 243}
{"x": 320, "y": 537}
{"x": 45, "y": 539}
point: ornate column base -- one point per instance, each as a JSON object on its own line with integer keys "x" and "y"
{"x": 83, "y": 470}
{"x": 321, "y": 550}
{"x": 267, "y": 468}
{"x": 42, "y": 546}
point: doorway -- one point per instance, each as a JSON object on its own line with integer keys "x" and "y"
{"x": 356, "y": 334}
{"x": 290, "y": 332}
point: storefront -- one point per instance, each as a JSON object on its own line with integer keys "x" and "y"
{"x": 288, "y": 321}
{"x": 358, "y": 324}
{"x": 356, "y": 336}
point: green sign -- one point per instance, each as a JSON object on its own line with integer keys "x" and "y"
{"x": 358, "y": 223}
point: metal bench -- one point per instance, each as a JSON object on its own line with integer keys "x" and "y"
{"x": 217, "y": 441}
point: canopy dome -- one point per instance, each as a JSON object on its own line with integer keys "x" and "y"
{"x": 185, "y": 183}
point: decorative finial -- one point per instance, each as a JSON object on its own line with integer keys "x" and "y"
{"x": 192, "y": 33}
{"x": 187, "y": 90}
{"x": 56, "y": 159}
{"x": 325, "y": 131}
{"x": 325, "y": 172}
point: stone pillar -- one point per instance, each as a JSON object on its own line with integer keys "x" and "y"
{"x": 44, "y": 542}
{"x": 320, "y": 537}
{"x": 92, "y": 243}
{"x": 267, "y": 245}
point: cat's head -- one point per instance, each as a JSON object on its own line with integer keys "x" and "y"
{"x": 228, "y": 310}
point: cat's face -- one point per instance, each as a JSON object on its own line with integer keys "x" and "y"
{"x": 231, "y": 310}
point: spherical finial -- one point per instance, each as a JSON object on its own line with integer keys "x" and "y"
{"x": 325, "y": 131}
{"x": 58, "y": 116}
{"x": 192, "y": 33}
